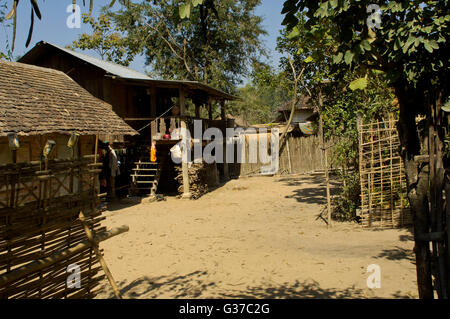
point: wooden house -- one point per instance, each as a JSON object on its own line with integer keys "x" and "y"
{"x": 38, "y": 104}
{"x": 144, "y": 103}
{"x": 42, "y": 107}
{"x": 43, "y": 193}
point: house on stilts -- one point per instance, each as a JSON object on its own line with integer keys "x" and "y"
{"x": 49, "y": 128}
{"x": 155, "y": 108}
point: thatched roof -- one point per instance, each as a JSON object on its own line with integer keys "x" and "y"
{"x": 303, "y": 103}
{"x": 36, "y": 100}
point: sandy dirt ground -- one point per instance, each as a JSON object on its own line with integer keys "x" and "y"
{"x": 256, "y": 237}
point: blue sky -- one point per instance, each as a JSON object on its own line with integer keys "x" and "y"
{"x": 53, "y": 27}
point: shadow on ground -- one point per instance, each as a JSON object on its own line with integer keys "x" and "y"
{"x": 398, "y": 253}
{"x": 197, "y": 285}
{"x": 121, "y": 203}
{"x": 310, "y": 195}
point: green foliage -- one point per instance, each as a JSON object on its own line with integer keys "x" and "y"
{"x": 358, "y": 84}
{"x": 410, "y": 47}
{"x": 105, "y": 39}
{"x": 185, "y": 8}
{"x": 267, "y": 90}
{"x": 340, "y": 117}
{"x": 340, "y": 120}
{"x": 349, "y": 200}
{"x": 214, "y": 44}
{"x": 345, "y": 93}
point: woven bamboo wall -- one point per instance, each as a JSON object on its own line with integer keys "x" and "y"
{"x": 301, "y": 154}
{"x": 384, "y": 201}
{"x": 39, "y": 216}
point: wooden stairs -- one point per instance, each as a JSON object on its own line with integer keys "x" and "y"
{"x": 145, "y": 177}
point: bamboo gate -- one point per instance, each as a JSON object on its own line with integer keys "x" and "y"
{"x": 40, "y": 231}
{"x": 384, "y": 202}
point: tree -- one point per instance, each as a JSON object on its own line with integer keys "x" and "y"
{"x": 8, "y": 53}
{"x": 267, "y": 90}
{"x": 105, "y": 39}
{"x": 338, "y": 100}
{"x": 185, "y": 9}
{"x": 214, "y": 43}
{"x": 410, "y": 47}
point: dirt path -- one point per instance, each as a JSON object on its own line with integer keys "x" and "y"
{"x": 253, "y": 238}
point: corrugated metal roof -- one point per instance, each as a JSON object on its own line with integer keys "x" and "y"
{"x": 120, "y": 72}
{"x": 112, "y": 68}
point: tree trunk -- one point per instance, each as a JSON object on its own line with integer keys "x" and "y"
{"x": 417, "y": 176}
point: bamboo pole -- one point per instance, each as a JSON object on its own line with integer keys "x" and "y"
{"x": 289, "y": 155}
{"x": 380, "y": 154}
{"x": 100, "y": 258}
{"x": 59, "y": 256}
{"x": 360, "y": 142}
{"x": 371, "y": 180}
{"x": 96, "y": 148}
{"x": 391, "y": 151}
{"x": 325, "y": 154}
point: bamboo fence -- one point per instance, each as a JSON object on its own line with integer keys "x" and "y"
{"x": 384, "y": 202}
{"x": 39, "y": 209}
{"x": 302, "y": 154}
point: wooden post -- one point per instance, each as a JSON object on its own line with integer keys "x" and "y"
{"x": 108, "y": 274}
{"x": 13, "y": 181}
{"x": 391, "y": 178}
{"x": 380, "y": 154}
{"x": 289, "y": 155}
{"x": 223, "y": 114}
{"x": 327, "y": 178}
{"x": 325, "y": 154}
{"x": 96, "y": 148}
{"x": 182, "y": 101}
{"x": 226, "y": 173}
{"x": 96, "y": 177}
{"x": 184, "y": 164}
{"x": 153, "y": 101}
{"x": 197, "y": 110}
{"x": 14, "y": 156}
{"x": 361, "y": 166}
{"x": 210, "y": 115}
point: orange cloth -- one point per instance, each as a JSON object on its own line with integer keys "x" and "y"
{"x": 153, "y": 154}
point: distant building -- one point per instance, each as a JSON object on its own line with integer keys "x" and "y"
{"x": 304, "y": 111}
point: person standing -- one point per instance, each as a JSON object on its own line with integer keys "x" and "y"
{"x": 114, "y": 170}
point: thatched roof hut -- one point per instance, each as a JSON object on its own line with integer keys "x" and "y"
{"x": 38, "y": 101}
